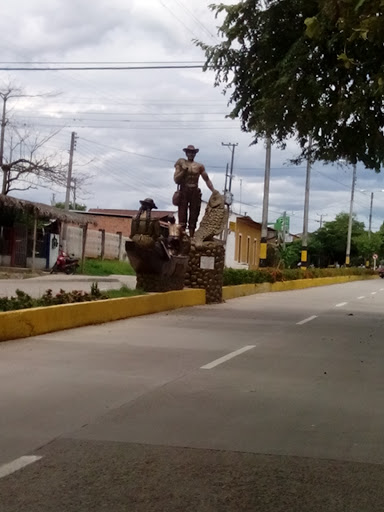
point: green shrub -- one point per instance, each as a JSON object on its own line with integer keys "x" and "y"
{"x": 270, "y": 275}
{"x": 25, "y": 301}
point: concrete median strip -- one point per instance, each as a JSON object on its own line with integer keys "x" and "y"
{"x": 242, "y": 290}
{"x": 35, "y": 321}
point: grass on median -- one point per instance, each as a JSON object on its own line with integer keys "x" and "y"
{"x": 124, "y": 291}
{"x": 97, "y": 267}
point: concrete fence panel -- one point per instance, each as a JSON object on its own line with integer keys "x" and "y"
{"x": 93, "y": 245}
{"x": 114, "y": 244}
{"x": 75, "y": 241}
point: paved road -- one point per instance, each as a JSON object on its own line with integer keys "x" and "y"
{"x": 36, "y": 286}
{"x": 266, "y": 403}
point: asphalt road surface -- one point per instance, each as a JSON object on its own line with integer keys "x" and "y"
{"x": 273, "y": 402}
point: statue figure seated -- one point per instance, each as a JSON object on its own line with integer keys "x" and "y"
{"x": 145, "y": 231}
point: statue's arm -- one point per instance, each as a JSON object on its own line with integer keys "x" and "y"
{"x": 204, "y": 175}
{"x": 180, "y": 172}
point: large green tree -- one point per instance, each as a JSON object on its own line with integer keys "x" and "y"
{"x": 306, "y": 67}
{"x": 328, "y": 245}
{"x": 369, "y": 244}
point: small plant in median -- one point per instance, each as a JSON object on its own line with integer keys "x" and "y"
{"x": 25, "y": 301}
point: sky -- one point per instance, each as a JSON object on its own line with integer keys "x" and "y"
{"x": 131, "y": 125}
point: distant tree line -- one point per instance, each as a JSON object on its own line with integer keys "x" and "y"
{"x": 327, "y": 246}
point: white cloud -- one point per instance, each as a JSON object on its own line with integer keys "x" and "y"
{"x": 119, "y": 115}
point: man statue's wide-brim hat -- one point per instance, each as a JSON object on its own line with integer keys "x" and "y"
{"x": 191, "y": 148}
{"x": 148, "y": 202}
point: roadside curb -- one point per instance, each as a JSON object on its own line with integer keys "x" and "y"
{"x": 35, "y": 321}
{"x": 242, "y": 290}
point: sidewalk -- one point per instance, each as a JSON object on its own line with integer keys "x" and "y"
{"x": 36, "y": 286}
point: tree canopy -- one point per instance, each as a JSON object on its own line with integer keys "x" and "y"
{"x": 72, "y": 206}
{"x": 306, "y": 68}
{"x": 328, "y": 244}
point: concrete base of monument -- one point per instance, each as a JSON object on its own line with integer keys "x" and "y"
{"x": 205, "y": 269}
{"x": 157, "y": 270}
{"x": 160, "y": 283}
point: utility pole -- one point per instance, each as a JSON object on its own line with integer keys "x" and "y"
{"x": 321, "y": 215}
{"x": 228, "y": 184}
{"x": 241, "y": 192}
{"x": 348, "y": 252}
{"x": 69, "y": 183}
{"x": 304, "y": 244}
{"x": 226, "y": 179}
{"x": 69, "y": 176}
{"x": 74, "y": 180}
{"x": 264, "y": 222}
{"x": 2, "y": 135}
{"x": 284, "y": 228}
{"x": 370, "y": 217}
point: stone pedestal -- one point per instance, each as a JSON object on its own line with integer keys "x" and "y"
{"x": 205, "y": 269}
{"x": 157, "y": 270}
{"x": 162, "y": 283}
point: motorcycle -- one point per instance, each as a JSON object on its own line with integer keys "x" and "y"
{"x": 65, "y": 264}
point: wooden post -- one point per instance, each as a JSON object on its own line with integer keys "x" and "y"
{"x": 102, "y": 243}
{"x": 34, "y": 243}
{"x": 85, "y": 231}
{"x": 120, "y": 244}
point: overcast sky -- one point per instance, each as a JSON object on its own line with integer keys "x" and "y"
{"x": 132, "y": 124}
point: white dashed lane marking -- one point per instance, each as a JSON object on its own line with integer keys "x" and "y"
{"x": 307, "y": 320}
{"x": 341, "y": 304}
{"x": 223, "y": 359}
{"x": 17, "y": 464}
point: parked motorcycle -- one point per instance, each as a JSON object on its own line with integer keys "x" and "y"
{"x": 65, "y": 264}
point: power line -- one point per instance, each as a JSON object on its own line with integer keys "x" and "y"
{"x": 126, "y": 151}
{"x": 178, "y": 19}
{"x": 32, "y": 63}
{"x": 151, "y": 121}
{"x": 190, "y": 13}
{"x": 127, "y": 126}
{"x": 102, "y": 112}
{"x": 104, "y": 68}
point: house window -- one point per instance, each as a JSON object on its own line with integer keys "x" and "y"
{"x": 248, "y": 248}
{"x": 254, "y": 250}
{"x": 240, "y": 241}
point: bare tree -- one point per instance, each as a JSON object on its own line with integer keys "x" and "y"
{"x": 26, "y": 165}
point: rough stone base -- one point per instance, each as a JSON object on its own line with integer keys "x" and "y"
{"x": 156, "y": 283}
{"x": 209, "y": 279}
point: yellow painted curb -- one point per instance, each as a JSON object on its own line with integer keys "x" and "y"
{"x": 242, "y": 290}
{"x": 35, "y": 321}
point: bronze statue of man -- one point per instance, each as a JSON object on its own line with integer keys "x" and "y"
{"x": 187, "y": 174}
